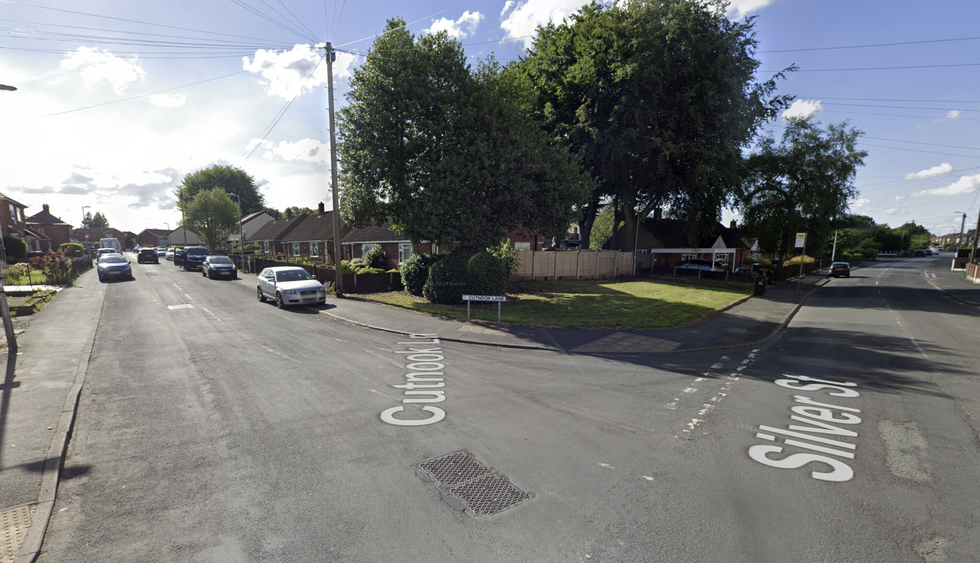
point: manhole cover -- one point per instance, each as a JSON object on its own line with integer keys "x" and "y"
{"x": 482, "y": 491}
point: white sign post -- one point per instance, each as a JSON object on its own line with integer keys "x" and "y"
{"x": 800, "y": 243}
{"x": 487, "y": 298}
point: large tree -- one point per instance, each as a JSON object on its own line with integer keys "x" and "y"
{"x": 213, "y": 215}
{"x": 97, "y": 221}
{"x": 801, "y": 184}
{"x": 659, "y": 97}
{"x": 444, "y": 152}
{"x": 231, "y": 179}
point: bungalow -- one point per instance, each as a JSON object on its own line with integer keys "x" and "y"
{"x": 663, "y": 242}
{"x": 271, "y": 235}
{"x": 397, "y": 247}
{"x": 250, "y": 224}
{"x": 313, "y": 237}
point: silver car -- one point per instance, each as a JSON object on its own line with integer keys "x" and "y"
{"x": 290, "y": 285}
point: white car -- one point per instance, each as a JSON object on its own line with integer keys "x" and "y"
{"x": 105, "y": 252}
{"x": 290, "y": 285}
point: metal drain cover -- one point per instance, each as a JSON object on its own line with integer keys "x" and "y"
{"x": 14, "y": 523}
{"x": 482, "y": 491}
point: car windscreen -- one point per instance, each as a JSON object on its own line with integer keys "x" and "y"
{"x": 293, "y": 275}
{"x": 112, "y": 259}
{"x": 219, "y": 260}
{"x": 197, "y": 252}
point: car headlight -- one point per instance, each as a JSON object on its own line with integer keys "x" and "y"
{"x": 291, "y": 292}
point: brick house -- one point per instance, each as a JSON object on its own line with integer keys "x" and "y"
{"x": 313, "y": 237}
{"x": 153, "y": 237}
{"x": 271, "y": 236}
{"x": 56, "y": 231}
{"x": 397, "y": 247}
{"x": 663, "y": 242}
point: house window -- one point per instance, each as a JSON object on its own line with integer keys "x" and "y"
{"x": 314, "y": 250}
{"x": 295, "y": 249}
{"x": 404, "y": 252}
{"x": 522, "y": 246}
{"x": 366, "y": 247}
{"x": 641, "y": 251}
{"x": 13, "y": 213}
{"x": 265, "y": 246}
{"x": 688, "y": 256}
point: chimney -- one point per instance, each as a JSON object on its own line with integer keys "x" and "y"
{"x": 658, "y": 213}
{"x": 289, "y": 213}
{"x": 321, "y": 209}
{"x": 734, "y": 224}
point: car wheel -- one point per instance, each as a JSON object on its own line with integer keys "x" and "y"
{"x": 258, "y": 290}
{"x": 279, "y": 302}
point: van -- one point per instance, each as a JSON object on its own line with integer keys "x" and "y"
{"x": 111, "y": 243}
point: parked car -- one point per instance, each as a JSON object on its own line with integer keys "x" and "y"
{"x": 170, "y": 254}
{"x": 147, "y": 255}
{"x": 838, "y": 269}
{"x": 114, "y": 266}
{"x": 194, "y": 257}
{"x": 701, "y": 264}
{"x": 161, "y": 251}
{"x": 290, "y": 285}
{"x": 219, "y": 267}
{"x": 104, "y": 252}
{"x": 919, "y": 253}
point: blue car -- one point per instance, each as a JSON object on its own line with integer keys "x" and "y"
{"x": 114, "y": 266}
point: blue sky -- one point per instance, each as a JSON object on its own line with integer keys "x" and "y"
{"x": 118, "y": 99}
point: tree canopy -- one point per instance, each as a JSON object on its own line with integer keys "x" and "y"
{"x": 444, "y": 152}
{"x": 97, "y": 221}
{"x": 213, "y": 215}
{"x": 801, "y": 184}
{"x": 231, "y": 179}
{"x": 659, "y": 98}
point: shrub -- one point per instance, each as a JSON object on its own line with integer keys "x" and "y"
{"x": 16, "y": 248}
{"x": 73, "y": 249}
{"x": 487, "y": 274}
{"x": 448, "y": 278}
{"x": 415, "y": 271}
{"x": 508, "y": 255}
{"x": 375, "y": 258}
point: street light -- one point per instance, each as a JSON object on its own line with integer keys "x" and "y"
{"x": 241, "y": 234}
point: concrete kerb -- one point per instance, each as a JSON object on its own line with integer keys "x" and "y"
{"x": 34, "y": 538}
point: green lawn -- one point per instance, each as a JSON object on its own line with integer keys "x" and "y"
{"x": 646, "y": 304}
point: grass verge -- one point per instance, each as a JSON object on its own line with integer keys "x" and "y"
{"x": 588, "y": 304}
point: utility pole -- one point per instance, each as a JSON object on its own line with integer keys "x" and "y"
{"x": 962, "y": 226}
{"x": 331, "y": 56}
{"x": 976, "y": 239}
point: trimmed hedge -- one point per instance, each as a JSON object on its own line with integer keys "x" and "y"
{"x": 415, "y": 271}
{"x": 465, "y": 271}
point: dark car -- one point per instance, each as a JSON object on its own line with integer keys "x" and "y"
{"x": 178, "y": 257}
{"x": 147, "y": 255}
{"x": 114, "y": 266}
{"x": 838, "y": 269}
{"x": 194, "y": 257}
{"x": 918, "y": 253}
{"x": 219, "y": 267}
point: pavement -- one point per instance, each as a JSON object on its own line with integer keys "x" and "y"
{"x": 44, "y": 376}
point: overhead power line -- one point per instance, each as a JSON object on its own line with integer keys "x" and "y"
{"x": 871, "y": 45}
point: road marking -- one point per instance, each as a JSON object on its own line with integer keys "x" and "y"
{"x": 176, "y": 307}
{"x": 425, "y": 356}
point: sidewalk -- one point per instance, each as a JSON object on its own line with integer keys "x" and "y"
{"x": 43, "y": 380}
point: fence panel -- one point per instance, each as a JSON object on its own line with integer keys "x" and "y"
{"x": 572, "y": 265}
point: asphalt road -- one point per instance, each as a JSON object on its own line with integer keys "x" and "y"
{"x": 216, "y": 428}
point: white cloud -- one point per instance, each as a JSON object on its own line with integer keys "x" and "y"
{"x": 954, "y": 115}
{"x": 942, "y": 169}
{"x": 168, "y": 100}
{"x": 520, "y": 20}
{"x": 859, "y": 203}
{"x": 802, "y": 109}
{"x": 94, "y": 66}
{"x": 738, "y": 9}
{"x": 287, "y": 74}
{"x": 892, "y": 211}
{"x": 965, "y": 185}
{"x": 464, "y": 27}
{"x": 309, "y": 150}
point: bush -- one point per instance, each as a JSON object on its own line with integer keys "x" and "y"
{"x": 508, "y": 255}
{"x": 375, "y": 258}
{"x": 415, "y": 271}
{"x": 487, "y": 274}
{"x": 56, "y": 267}
{"x": 449, "y": 277}
{"x": 73, "y": 249}
{"x": 16, "y": 248}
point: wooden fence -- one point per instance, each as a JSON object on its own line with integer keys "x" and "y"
{"x": 572, "y": 265}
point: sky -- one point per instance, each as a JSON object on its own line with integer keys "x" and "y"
{"x": 118, "y": 100}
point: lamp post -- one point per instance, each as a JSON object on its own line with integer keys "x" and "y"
{"x": 85, "y": 227}
{"x": 241, "y": 234}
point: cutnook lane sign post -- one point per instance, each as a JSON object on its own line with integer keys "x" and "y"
{"x": 498, "y": 299}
